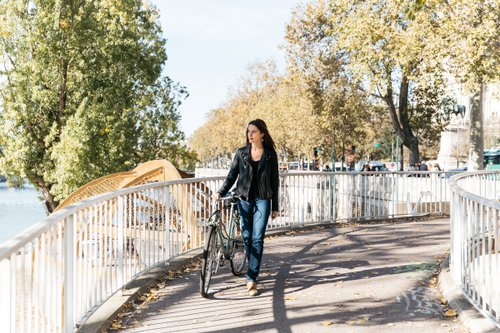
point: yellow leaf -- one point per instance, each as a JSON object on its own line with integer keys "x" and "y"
{"x": 326, "y": 323}
{"x": 450, "y": 313}
{"x": 291, "y": 298}
{"x": 116, "y": 325}
{"x": 350, "y": 322}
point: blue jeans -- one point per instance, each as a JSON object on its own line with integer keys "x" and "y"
{"x": 254, "y": 216}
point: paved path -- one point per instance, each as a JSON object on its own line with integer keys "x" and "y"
{"x": 369, "y": 278}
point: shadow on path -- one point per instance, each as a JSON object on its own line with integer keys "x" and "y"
{"x": 351, "y": 279}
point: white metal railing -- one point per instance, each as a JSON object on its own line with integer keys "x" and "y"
{"x": 475, "y": 231}
{"x": 309, "y": 197}
{"x": 57, "y": 273}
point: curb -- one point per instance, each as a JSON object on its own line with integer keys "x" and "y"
{"x": 103, "y": 316}
{"x": 467, "y": 313}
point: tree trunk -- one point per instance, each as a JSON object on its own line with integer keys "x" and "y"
{"x": 50, "y": 204}
{"x": 49, "y": 200}
{"x": 401, "y": 120}
{"x": 412, "y": 144}
{"x": 476, "y": 134}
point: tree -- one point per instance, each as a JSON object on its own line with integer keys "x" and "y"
{"x": 426, "y": 123}
{"x": 82, "y": 92}
{"x": 158, "y": 125}
{"x": 380, "y": 45}
{"x": 343, "y": 114}
{"x": 341, "y": 109}
{"x": 470, "y": 32}
{"x": 262, "y": 93}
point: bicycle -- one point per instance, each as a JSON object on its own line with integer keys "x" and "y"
{"x": 223, "y": 244}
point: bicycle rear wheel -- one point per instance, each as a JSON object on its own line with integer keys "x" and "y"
{"x": 209, "y": 261}
{"x": 238, "y": 257}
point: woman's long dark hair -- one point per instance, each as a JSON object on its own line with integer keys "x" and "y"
{"x": 267, "y": 140}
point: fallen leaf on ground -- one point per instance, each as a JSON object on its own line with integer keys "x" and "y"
{"x": 326, "y": 323}
{"x": 450, "y": 313}
{"x": 116, "y": 325}
{"x": 291, "y": 298}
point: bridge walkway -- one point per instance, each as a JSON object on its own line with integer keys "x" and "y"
{"x": 366, "y": 278}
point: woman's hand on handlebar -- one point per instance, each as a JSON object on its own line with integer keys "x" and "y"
{"x": 216, "y": 196}
{"x": 275, "y": 214}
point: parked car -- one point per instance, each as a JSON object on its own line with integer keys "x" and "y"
{"x": 293, "y": 166}
{"x": 374, "y": 166}
{"x": 455, "y": 171}
{"x": 378, "y": 166}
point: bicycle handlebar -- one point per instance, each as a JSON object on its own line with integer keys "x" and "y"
{"x": 233, "y": 197}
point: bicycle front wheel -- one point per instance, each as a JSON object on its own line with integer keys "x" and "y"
{"x": 209, "y": 261}
{"x": 238, "y": 257}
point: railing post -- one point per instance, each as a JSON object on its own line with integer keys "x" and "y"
{"x": 332, "y": 194}
{"x": 5, "y": 291}
{"x": 69, "y": 274}
{"x": 168, "y": 202}
{"x": 120, "y": 224}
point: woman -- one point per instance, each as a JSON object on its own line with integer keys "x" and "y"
{"x": 256, "y": 168}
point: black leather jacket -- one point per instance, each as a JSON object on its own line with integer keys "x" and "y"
{"x": 267, "y": 172}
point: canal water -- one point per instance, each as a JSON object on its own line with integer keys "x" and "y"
{"x": 20, "y": 208}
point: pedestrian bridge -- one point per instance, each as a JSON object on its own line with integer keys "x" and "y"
{"x": 57, "y": 273}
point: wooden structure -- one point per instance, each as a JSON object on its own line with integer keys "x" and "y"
{"x": 152, "y": 171}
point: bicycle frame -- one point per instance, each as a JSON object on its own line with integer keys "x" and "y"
{"x": 224, "y": 231}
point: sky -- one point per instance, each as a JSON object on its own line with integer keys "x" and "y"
{"x": 211, "y": 43}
